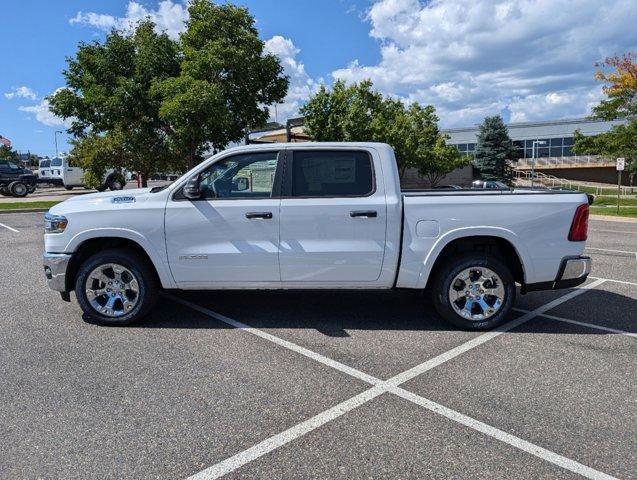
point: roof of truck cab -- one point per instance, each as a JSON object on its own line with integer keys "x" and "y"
{"x": 302, "y": 145}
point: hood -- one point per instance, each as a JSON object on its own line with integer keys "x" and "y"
{"x": 119, "y": 199}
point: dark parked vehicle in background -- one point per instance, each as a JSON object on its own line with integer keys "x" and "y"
{"x": 16, "y": 181}
{"x": 490, "y": 184}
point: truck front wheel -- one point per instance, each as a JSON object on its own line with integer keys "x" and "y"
{"x": 474, "y": 291}
{"x": 18, "y": 189}
{"x": 115, "y": 287}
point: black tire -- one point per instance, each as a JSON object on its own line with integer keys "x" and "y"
{"x": 447, "y": 274}
{"x": 18, "y": 189}
{"x": 68, "y": 187}
{"x": 115, "y": 185}
{"x": 143, "y": 273}
{"x": 5, "y": 192}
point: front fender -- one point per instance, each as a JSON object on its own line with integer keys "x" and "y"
{"x": 155, "y": 256}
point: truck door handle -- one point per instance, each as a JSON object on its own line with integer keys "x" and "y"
{"x": 363, "y": 213}
{"x": 264, "y": 215}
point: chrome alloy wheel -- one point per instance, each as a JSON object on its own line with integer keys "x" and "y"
{"x": 112, "y": 290}
{"x": 476, "y": 293}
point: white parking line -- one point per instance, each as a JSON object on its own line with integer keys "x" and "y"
{"x": 583, "y": 324}
{"x": 9, "y": 228}
{"x": 504, "y": 437}
{"x": 610, "y": 250}
{"x": 624, "y": 282}
{"x": 611, "y": 231}
{"x": 392, "y": 386}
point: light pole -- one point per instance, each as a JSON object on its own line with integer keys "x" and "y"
{"x": 533, "y": 157}
{"x": 55, "y": 135}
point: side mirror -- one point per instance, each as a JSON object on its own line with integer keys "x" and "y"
{"x": 191, "y": 189}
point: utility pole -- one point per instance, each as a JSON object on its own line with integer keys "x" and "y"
{"x": 55, "y": 135}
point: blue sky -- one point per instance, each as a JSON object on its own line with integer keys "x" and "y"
{"x": 528, "y": 59}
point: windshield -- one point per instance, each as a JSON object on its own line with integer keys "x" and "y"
{"x": 45, "y": 164}
{"x": 56, "y": 162}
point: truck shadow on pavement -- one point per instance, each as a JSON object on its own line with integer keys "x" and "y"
{"x": 334, "y": 312}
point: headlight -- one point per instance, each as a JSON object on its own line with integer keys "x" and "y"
{"x": 54, "y": 223}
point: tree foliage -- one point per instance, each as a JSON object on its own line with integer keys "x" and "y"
{"x": 494, "y": 151}
{"x": 621, "y": 102}
{"x": 8, "y": 153}
{"x": 160, "y": 103}
{"x": 225, "y": 81}
{"x": 357, "y": 113}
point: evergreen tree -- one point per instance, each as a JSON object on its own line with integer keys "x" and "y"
{"x": 494, "y": 151}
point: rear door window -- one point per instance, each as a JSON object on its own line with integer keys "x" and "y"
{"x": 338, "y": 173}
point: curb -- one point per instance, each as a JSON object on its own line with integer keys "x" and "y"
{"x": 23, "y": 210}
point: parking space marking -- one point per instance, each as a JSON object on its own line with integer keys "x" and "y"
{"x": 610, "y": 250}
{"x": 611, "y": 231}
{"x": 583, "y": 324}
{"x": 624, "y": 282}
{"x": 504, "y": 437}
{"x": 9, "y": 228}
{"x": 390, "y": 386}
{"x": 279, "y": 341}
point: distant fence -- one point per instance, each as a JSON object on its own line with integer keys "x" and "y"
{"x": 540, "y": 179}
{"x": 577, "y": 161}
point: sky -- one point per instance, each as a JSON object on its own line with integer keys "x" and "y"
{"x": 524, "y": 59}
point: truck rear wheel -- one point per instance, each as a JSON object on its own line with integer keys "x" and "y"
{"x": 115, "y": 287}
{"x": 474, "y": 291}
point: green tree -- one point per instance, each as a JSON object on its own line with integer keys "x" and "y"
{"x": 621, "y": 102}
{"x": 225, "y": 82}
{"x": 357, "y": 113}
{"x": 108, "y": 98}
{"x": 7, "y": 153}
{"x": 494, "y": 151}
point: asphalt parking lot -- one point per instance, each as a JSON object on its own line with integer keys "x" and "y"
{"x": 319, "y": 384}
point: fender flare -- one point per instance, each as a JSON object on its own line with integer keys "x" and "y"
{"x": 498, "y": 232}
{"x": 160, "y": 265}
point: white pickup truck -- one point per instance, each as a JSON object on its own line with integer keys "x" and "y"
{"x": 309, "y": 216}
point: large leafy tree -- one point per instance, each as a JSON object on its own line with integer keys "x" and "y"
{"x": 621, "y": 102}
{"x": 225, "y": 82}
{"x": 162, "y": 103}
{"x": 7, "y": 153}
{"x": 358, "y": 113}
{"x": 109, "y": 100}
{"x": 494, "y": 151}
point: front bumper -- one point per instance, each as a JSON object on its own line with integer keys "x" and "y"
{"x": 573, "y": 272}
{"x": 55, "y": 266}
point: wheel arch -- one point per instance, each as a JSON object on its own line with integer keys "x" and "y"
{"x": 89, "y": 246}
{"x": 495, "y": 243}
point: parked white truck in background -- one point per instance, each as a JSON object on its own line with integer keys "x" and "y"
{"x": 308, "y": 216}
{"x": 58, "y": 171}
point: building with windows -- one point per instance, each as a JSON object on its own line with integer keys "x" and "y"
{"x": 556, "y": 136}
{"x": 553, "y": 141}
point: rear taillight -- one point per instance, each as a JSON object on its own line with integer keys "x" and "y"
{"x": 579, "y": 227}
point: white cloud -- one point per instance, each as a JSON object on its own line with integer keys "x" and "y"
{"x": 472, "y": 58}
{"x": 21, "y": 92}
{"x": 301, "y": 85}
{"x": 169, "y": 17}
{"x": 45, "y": 116}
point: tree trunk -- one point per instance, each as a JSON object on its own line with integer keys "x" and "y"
{"x": 144, "y": 179}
